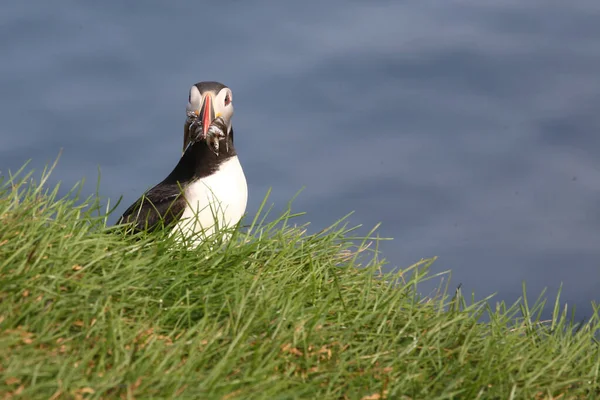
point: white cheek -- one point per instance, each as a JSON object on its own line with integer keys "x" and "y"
{"x": 228, "y": 112}
{"x": 195, "y": 98}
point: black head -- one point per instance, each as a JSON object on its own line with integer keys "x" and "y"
{"x": 207, "y": 101}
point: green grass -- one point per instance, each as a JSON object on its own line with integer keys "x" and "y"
{"x": 276, "y": 313}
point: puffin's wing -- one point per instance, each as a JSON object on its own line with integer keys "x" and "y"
{"x": 160, "y": 207}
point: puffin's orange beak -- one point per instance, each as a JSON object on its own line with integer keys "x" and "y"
{"x": 207, "y": 114}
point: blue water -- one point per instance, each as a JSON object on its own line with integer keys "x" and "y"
{"x": 470, "y": 129}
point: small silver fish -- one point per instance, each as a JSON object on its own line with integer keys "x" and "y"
{"x": 194, "y": 127}
{"x": 224, "y": 133}
{"x": 216, "y": 132}
{"x": 214, "y": 135}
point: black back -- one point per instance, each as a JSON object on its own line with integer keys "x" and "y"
{"x": 163, "y": 205}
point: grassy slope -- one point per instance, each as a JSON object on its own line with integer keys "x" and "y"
{"x": 275, "y": 314}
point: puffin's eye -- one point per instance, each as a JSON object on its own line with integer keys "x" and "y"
{"x": 227, "y": 99}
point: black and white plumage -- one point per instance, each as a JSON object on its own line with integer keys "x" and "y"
{"x": 206, "y": 187}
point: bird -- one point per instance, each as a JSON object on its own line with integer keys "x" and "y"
{"x": 207, "y": 190}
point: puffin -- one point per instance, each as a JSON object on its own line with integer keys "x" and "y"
{"x": 207, "y": 190}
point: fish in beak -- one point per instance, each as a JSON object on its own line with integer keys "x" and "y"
{"x": 199, "y": 119}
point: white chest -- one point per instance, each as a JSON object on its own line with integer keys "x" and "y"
{"x": 214, "y": 202}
